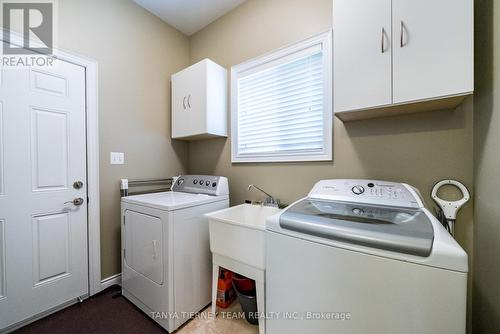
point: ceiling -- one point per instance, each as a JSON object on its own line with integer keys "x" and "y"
{"x": 189, "y": 16}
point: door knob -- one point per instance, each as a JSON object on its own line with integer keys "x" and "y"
{"x": 78, "y": 185}
{"x": 77, "y": 201}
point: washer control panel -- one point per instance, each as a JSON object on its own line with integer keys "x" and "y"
{"x": 201, "y": 184}
{"x": 368, "y": 191}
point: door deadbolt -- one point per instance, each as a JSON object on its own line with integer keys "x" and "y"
{"x": 78, "y": 185}
{"x": 77, "y": 201}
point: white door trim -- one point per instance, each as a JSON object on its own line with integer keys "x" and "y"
{"x": 92, "y": 140}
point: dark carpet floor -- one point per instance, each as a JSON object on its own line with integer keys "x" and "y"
{"x": 99, "y": 314}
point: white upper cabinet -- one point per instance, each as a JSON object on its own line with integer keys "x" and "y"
{"x": 433, "y": 51}
{"x": 199, "y": 102}
{"x": 400, "y": 56}
{"x": 362, "y": 54}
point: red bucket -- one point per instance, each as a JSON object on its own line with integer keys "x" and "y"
{"x": 244, "y": 284}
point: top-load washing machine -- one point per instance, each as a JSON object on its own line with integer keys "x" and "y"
{"x": 166, "y": 259}
{"x": 359, "y": 256}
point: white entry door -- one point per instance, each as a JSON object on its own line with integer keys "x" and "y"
{"x": 43, "y": 234}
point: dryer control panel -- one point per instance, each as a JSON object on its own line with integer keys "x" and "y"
{"x": 201, "y": 184}
{"x": 368, "y": 191}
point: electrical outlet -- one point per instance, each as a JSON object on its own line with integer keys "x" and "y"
{"x": 117, "y": 158}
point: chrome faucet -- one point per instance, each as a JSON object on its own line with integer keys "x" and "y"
{"x": 270, "y": 200}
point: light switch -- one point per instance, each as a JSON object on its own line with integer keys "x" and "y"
{"x": 117, "y": 158}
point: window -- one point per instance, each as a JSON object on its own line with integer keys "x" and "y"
{"x": 282, "y": 104}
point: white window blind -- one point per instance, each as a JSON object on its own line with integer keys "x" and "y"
{"x": 282, "y": 105}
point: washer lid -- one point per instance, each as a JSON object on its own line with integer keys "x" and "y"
{"x": 402, "y": 230}
{"x": 171, "y": 200}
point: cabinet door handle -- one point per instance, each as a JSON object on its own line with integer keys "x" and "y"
{"x": 383, "y": 40}
{"x": 189, "y": 101}
{"x": 402, "y": 41}
{"x": 184, "y": 103}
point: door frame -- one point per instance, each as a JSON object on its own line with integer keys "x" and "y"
{"x": 92, "y": 142}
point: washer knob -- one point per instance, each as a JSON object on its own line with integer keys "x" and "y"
{"x": 358, "y": 211}
{"x": 358, "y": 190}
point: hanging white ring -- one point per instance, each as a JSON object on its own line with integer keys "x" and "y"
{"x": 450, "y": 208}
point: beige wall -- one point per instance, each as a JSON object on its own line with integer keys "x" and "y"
{"x": 137, "y": 53}
{"x": 419, "y": 149}
{"x": 486, "y": 296}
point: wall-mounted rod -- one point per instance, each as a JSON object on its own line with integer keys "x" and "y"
{"x": 126, "y": 184}
{"x": 141, "y": 182}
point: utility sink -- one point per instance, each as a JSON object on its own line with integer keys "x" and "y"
{"x": 239, "y": 233}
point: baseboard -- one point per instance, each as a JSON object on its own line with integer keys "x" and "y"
{"x": 39, "y": 316}
{"x": 105, "y": 283}
{"x": 111, "y": 280}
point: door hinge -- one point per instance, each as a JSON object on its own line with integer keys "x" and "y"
{"x": 88, "y": 200}
{"x": 124, "y": 253}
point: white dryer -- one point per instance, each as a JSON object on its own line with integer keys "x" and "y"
{"x": 359, "y": 256}
{"x": 166, "y": 259}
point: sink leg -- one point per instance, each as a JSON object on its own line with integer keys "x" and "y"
{"x": 261, "y": 305}
{"x": 215, "y": 279}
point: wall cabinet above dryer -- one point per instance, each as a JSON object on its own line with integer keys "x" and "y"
{"x": 199, "y": 102}
{"x": 400, "y": 56}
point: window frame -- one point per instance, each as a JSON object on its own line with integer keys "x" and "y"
{"x": 275, "y": 58}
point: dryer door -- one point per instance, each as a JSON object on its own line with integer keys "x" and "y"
{"x": 143, "y": 245}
